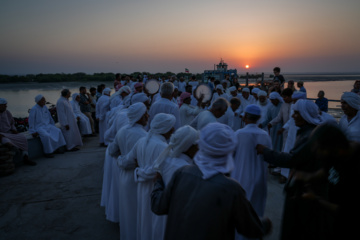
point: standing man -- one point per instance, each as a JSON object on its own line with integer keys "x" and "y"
{"x": 42, "y": 124}
{"x": 92, "y": 98}
{"x": 9, "y": 136}
{"x": 250, "y": 168}
{"x": 85, "y": 106}
{"x": 278, "y": 76}
{"x": 200, "y": 201}
{"x": 67, "y": 120}
{"x": 350, "y": 122}
{"x": 102, "y": 107}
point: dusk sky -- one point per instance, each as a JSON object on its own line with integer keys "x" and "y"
{"x": 92, "y": 36}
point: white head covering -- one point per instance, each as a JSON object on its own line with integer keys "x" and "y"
{"x": 120, "y": 91}
{"x": 232, "y": 88}
{"x": 262, "y": 93}
{"x": 308, "y": 110}
{"x": 276, "y": 95}
{"x": 255, "y": 90}
{"x": 298, "y": 95}
{"x": 135, "y": 112}
{"x": 245, "y": 90}
{"x": 219, "y": 86}
{"x": 352, "y": 99}
{"x": 38, "y": 98}
{"x": 139, "y": 97}
{"x": 74, "y": 96}
{"x": 253, "y": 109}
{"x": 162, "y": 123}
{"x": 180, "y": 141}
{"x": 106, "y": 90}
{"x": 3, "y": 101}
{"x": 216, "y": 146}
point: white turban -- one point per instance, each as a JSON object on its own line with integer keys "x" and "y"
{"x": 262, "y": 93}
{"x": 139, "y": 97}
{"x": 253, "y": 109}
{"x": 135, "y": 112}
{"x": 308, "y": 110}
{"x": 245, "y": 90}
{"x": 216, "y": 146}
{"x": 74, "y": 96}
{"x": 255, "y": 90}
{"x": 38, "y": 98}
{"x": 180, "y": 141}
{"x": 126, "y": 89}
{"x": 352, "y": 99}
{"x": 298, "y": 95}
{"x": 162, "y": 123}
{"x": 232, "y": 89}
{"x": 276, "y": 95}
{"x": 106, "y": 90}
{"x": 219, "y": 86}
{"x": 3, "y": 101}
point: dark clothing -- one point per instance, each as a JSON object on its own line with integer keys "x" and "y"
{"x": 302, "y": 219}
{"x": 322, "y": 104}
{"x": 279, "y": 78}
{"x": 84, "y": 103}
{"x": 204, "y": 209}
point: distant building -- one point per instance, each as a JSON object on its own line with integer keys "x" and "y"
{"x": 220, "y": 72}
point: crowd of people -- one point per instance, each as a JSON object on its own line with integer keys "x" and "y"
{"x": 179, "y": 167}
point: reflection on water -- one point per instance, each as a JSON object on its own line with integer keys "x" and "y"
{"x": 20, "y": 96}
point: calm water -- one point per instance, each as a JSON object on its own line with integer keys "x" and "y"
{"x": 20, "y": 96}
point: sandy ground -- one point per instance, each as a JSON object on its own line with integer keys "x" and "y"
{"x": 60, "y": 199}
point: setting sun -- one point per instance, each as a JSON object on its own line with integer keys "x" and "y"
{"x": 247, "y": 66}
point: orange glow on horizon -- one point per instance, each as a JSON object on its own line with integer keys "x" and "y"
{"x": 247, "y": 66}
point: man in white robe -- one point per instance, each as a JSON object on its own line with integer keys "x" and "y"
{"x": 180, "y": 152}
{"x": 102, "y": 107}
{"x": 83, "y": 120}
{"x": 42, "y": 124}
{"x": 187, "y": 111}
{"x": 217, "y": 110}
{"x": 219, "y": 93}
{"x": 164, "y": 104}
{"x": 264, "y": 104}
{"x": 9, "y": 136}
{"x": 67, "y": 120}
{"x": 117, "y": 98}
{"x": 145, "y": 151}
{"x": 350, "y": 122}
{"x": 124, "y": 141}
{"x": 246, "y": 98}
{"x": 250, "y": 168}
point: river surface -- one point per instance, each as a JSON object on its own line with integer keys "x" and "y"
{"x": 20, "y": 96}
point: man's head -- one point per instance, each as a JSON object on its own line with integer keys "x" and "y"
{"x": 252, "y": 113}
{"x": 163, "y": 124}
{"x": 106, "y": 91}
{"x": 235, "y": 103}
{"x": 167, "y": 90}
{"x": 219, "y": 89}
{"x": 286, "y": 95}
{"x": 300, "y": 84}
{"x": 245, "y": 93}
{"x": 321, "y": 94}
{"x": 306, "y": 112}
{"x": 137, "y": 113}
{"x": 76, "y": 97}
{"x": 185, "y": 97}
{"x": 276, "y": 71}
{"x": 181, "y": 79}
{"x": 298, "y": 95}
{"x": 188, "y": 88}
{"x": 3, "y": 105}
{"x": 40, "y": 100}
{"x": 92, "y": 91}
{"x": 350, "y": 103}
{"x": 290, "y": 84}
{"x": 262, "y": 97}
{"x": 66, "y": 93}
{"x": 138, "y": 87}
{"x": 233, "y": 91}
{"x": 275, "y": 98}
{"x": 117, "y": 76}
{"x": 219, "y": 107}
{"x": 82, "y": 90}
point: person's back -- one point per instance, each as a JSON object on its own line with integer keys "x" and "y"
{"x": 207, "y": 209}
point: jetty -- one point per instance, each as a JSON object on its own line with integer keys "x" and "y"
{"x": 59, "y": 198}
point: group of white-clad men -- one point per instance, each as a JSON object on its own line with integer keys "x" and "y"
{"x": 147, "y": 136}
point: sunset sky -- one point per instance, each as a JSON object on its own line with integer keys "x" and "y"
{"x": 48, "y": 36}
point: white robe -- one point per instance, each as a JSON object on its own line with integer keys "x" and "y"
{"x": 124, "y": 141}
{"x": 188, "y": 113}
{"x": 66, "y": 117}
{"x": 102, "y": 107}
{"x": 235, "y": 121}
{"x": 245, "y": 102}
{"x": 216, "y": 96}
{"x": 164, "y": 105}
{"x": 351, "y": 128}
{"x": 264, "y": 110}
{"x": 181, "y": 86}
{"x": 203, "y": 119}
{"x": 84, "y": 122}
{"x": 116, "y": 101}
{"x": 250, "y": 168}
{"x": 40, "y": 121}
{"x": 119, "y": 119}
{"x": 150, "y": 226}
